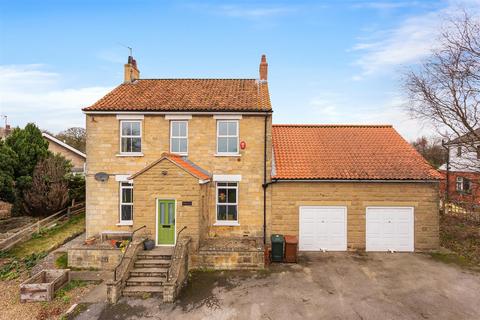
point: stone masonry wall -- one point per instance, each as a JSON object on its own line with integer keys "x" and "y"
{"x": 177, "y": 184}
{"x": 287, "y": 197}
{"x": 77, "y": 161}
{"x": 102, "y": 204}
{"x": 90, "y": 258}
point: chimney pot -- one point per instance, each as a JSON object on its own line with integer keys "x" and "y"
{"x": 131, "y": 70}
{"x": 263, "y": 68}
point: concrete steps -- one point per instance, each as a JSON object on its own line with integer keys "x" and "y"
{"x": 152, "y": 263}
{"x": 149, "y": 272}
{"x": 131, "y": 291}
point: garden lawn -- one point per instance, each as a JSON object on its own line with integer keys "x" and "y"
{"x": 50, "y": 239}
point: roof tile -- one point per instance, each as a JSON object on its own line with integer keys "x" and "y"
{"x": 180, "y": 161}
{"x": 346, "y": 152}
{"x": 240, "y": 95}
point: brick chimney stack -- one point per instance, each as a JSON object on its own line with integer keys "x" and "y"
{"x": 263, "y": 68}
{"x": 131, "y": 70}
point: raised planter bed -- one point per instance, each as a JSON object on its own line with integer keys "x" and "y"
{"x": 42, "y": 286}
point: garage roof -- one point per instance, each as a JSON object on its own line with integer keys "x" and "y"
{"x": 346, "y": 152}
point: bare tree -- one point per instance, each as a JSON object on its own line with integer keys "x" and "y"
{"x": 75, "y": 137}
{"x": 432, "y": 150}
{"x": 48, "y": 191}
{"x": 445, "y": 89}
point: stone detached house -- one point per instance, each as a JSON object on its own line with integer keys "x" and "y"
{"x": 76, "y": 157}
{"x": 203, "y": 154}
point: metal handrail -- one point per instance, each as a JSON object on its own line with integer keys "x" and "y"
{"x": 175, "y": 249}
{"x": 123, "y": 255}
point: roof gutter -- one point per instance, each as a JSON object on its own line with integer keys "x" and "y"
{"x": 179, "y": 112}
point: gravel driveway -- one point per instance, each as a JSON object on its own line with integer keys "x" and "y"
{"x": 321, "y": 286}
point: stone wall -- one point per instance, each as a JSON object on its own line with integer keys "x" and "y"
{"x": 167, "y": 181}
{"x": 287, "y": 197}
{"x": 227, "y": 260}
{"x": 102, "y": 204}
{"x": 94, "y": 258}
{"x": 77, "y": 160}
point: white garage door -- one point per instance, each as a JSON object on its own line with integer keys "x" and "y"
{"x": 323, "y": 228}
{"x": 389, "y": 229}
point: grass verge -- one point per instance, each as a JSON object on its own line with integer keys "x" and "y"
{"x": 462, "y": 238}
{"x": 26, "y": 255}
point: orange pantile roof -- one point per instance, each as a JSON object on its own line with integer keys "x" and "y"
{"x": 237, "y": 95}
{"x": 180, "y": 161}
{"x": 346, "y": 152}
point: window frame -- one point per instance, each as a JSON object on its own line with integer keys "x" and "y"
{"x": 461, "y": 182}
{"x": 237, "y": 135}
{"x": 459, "y": 151}
{"x": 131, "y": 136}
{"x": 121, "y": 203}
{"x": 226, "y": 222}
{"x": 178, "y": 137}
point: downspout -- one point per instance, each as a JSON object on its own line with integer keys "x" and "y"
{"x": 447, "y": 178}
{"x": 265, "y": 181}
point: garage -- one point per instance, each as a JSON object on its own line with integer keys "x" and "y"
{"x": 322, "y": 228}
{"x": 390, "y": 229}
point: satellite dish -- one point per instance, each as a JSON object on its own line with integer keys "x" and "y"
{"x": 101, "y": 176}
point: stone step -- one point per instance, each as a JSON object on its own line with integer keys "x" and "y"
{"x": 148, "y": 272}
{"x": 152, "y": 263}
{"x": 146, "y": 255}
{"x": 160, "y": 250}
{"x": 140, "y": 290}
{"x": 146, "y": 281}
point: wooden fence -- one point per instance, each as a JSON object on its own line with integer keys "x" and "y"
{"x": 26, "y": 232}
{"x": 465, "y": 210}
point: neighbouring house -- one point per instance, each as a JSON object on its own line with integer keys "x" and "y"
{"x": 461, "y": 181}
{"x": 5, "y": 131}
{"x": 76, "y": 157}
{"x": 203, "y": 154}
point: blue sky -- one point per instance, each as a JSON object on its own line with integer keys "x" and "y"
{"x": 329, "y": 61}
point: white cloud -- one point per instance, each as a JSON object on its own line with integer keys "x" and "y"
{"x": 334, "y": 108}
{"x": 245, "y": 11}
{"x": 386, "y": 5}
{"x": 253, "y": 12}
{"x": 412, "y": 40}
{"x": 29, "y": 93}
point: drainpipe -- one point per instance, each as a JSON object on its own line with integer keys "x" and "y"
{"x": 447, "y": 178}
{"x": 264, "y": 185}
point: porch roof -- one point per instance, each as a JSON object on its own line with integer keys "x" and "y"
{"x": 181, "y": 162}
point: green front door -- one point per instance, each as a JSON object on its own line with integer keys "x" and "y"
{"x": 166, "y": 222}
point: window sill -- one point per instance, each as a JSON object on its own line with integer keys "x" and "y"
{"x": 181, "y": 154}
{"x": 225, "y": 223}
{"x": 228, "y": 155}
{"x": 133, "y": 154}
{"x": 125, "y": 223}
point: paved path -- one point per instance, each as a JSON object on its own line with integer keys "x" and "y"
{"x": 323, "y": 286}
